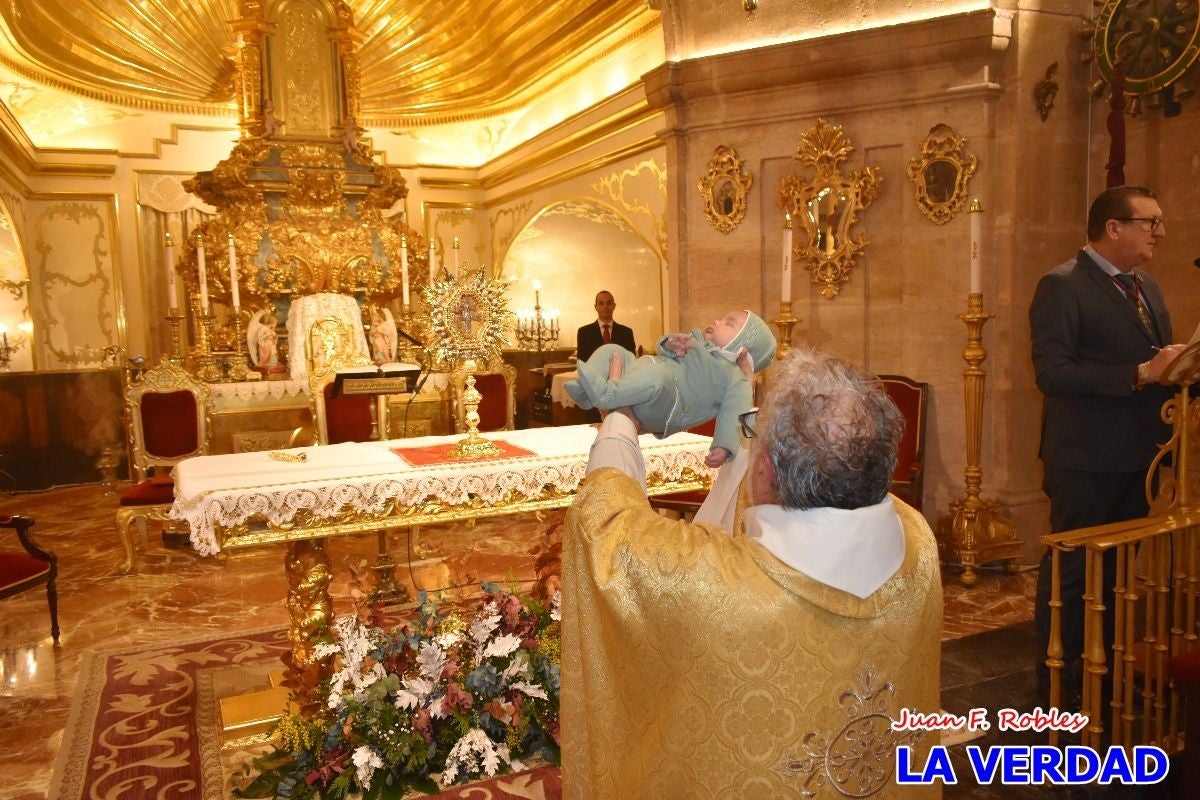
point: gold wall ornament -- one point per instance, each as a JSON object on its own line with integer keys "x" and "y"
{"x": 724, "y": 189}
{"x": 1044, "y": 92}
{"x": 941, "y": 173}
{"x": 827, "y": 207}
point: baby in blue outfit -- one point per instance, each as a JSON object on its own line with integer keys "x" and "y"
{"x": 694, "y": 378}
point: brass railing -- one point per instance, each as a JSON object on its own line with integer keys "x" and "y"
{"x": 1156, "y": 586}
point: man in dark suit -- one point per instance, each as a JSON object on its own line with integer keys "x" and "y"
{"x": 589, "y": 338}
{"x": 1101, "y": 340}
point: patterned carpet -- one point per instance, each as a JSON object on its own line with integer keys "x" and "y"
{"x": 173, "y": 597}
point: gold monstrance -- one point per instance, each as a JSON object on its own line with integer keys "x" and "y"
{"x": 467, "y": 318}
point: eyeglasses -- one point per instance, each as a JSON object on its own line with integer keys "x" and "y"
{"x": 746, "y": 420}
{"x": 1154, "y": 221}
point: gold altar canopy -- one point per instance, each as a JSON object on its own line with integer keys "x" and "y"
{"x": 306, "y": 204}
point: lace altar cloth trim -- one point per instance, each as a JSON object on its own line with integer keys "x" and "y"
{"x": 258, "y": 390}
{"x": 227, "y": 490}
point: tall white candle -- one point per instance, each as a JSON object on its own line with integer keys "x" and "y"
{"x": 457, "y": 261}
{"x": 404, "y": 267}
{"x": 786, "y": 294}
{"x": 976, "y": 215}
{"x": 432, "y": 260}
{"x": 172, "y": 290}
{"x": 202, "y": 274}
{"x": 233, "y": 275}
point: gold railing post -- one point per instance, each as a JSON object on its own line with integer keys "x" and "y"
{"x": 1054, "y": 650}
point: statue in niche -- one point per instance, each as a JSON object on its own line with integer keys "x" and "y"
{"x": 262, "y": 339}
{"x": 272, "y": 125}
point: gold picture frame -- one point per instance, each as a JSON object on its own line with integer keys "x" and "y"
{"x": 825, "y": 208}
{"x": 942, "y": 173}
{"x": 724, "y": 189}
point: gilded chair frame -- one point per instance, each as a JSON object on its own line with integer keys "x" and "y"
{"x": 165, "y": 378}
{"x": 22, "y": 527}
{"x": 458, "y": 380}
{"x": 329, "y": 347}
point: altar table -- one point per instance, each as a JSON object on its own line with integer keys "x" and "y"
{"x": 247, "y": 499}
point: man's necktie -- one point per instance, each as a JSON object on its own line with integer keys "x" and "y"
{"x": 1132, "y": 288}
{"x": 607, "y": 331}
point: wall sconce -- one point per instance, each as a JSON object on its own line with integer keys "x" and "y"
{"x": 10, "y": 345}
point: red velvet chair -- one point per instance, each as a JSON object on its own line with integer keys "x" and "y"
{"x": 32, "y": 566}
{"x": 911, "y": 397}
{"x": 167, "y": 413}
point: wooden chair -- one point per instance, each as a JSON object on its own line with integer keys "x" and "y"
{"x": 166, "y": 410}
{"x": 911, "y": 397}
{"x": 29, "y": 567}
{"x": 498, "y": 408}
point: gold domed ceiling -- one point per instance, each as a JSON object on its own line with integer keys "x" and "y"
{"x": 422, "y": 61}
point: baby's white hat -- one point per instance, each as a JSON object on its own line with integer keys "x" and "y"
{"x": 757, "y": 338}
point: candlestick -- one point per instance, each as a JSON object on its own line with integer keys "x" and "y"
{"x": 4, "y": 334}
{"x": 976, "y": 531}
{"x": 202, "y": 274}
{"x": 432, "y": 260}
{"x": 975, "y": 213}
{"x": 233, "y": 274}
{"x": 172, "y": 292}
{"x": 457, "y": 262}
{"x": 786, "y": 295}
{"x": 404, "y": 268}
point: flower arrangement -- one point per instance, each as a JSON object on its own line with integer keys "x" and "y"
{"x": 446, "y": 698}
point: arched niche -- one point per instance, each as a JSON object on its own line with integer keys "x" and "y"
{"x": 577, "y": 248}
{"x": 14, "y": 295}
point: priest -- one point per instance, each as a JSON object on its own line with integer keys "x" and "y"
{"x": 697, "y": 664}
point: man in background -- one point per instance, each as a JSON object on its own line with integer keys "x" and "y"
{"x": 697, "y": 664}
{"x": 604, "y": 330}
{"x": 1101, "y": 339}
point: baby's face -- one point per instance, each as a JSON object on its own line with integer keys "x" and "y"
{"x": 721, "y": 331}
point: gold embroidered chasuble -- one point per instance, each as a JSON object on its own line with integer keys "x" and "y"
{"x": 696, "y": 664}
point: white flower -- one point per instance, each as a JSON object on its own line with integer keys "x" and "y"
{"x": 366, "y": 761}
{"x": 556, "y": 606}
{"x": 482, "y": 627}
{"x": 448, "y": 639}
{"x": 432, "y": 661}
{"x": 531, "y": 689}
{"x": 501, "y": 646}
{"x": 474, "y": 751}
{"x": 415, "y": 692}
{"x": 518, "y": 666}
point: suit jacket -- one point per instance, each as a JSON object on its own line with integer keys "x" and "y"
{"x": 1087, "y": 343}
{"x": 589, "y": 338}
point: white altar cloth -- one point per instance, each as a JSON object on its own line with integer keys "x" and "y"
{"x": 227, "y": 490}
{"x": 557, "y": 393}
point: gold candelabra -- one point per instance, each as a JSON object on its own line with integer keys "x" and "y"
{"x": 536, "y": 330}
{"x": 7, "y": 347}
{"x": 975, "y": 531}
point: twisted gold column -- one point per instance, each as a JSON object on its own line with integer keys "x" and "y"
{"x": 311, "y": 610}
{"x": 975, "y": 531}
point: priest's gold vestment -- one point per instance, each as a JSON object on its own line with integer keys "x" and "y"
{"x": 696, "y": 664}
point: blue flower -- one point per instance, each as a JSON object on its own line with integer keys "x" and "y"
{"x": 483, "y": 681}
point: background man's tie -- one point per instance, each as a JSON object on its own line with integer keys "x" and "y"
{"x": 1130, "y": 285}
{"x": 606, "y": 330}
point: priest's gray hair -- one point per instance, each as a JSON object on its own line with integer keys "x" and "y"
{"x": 830, "y": 431}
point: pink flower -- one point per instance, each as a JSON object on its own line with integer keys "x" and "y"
{"x": 457, "y": 698}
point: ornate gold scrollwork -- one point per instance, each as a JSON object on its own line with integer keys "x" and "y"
{"x": 724, "y": 189}
{"x": 827, "y": 207}
{"x": 941, "y": 173}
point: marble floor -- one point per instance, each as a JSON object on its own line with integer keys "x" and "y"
{"x": 172, "y": 594}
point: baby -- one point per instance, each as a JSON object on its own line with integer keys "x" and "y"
{"x": 694, "y": 378}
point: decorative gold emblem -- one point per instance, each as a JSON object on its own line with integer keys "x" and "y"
{"x": 468, "y": 319}
{"x": 857, "y": 760}
{"x": 941, "y": 173}
{"x": 1044, "y": 92}
{"x": 724, "y": 189}
{"x": 827, "y": 207}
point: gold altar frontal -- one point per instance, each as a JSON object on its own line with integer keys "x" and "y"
{"x": 257, "y": 498}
